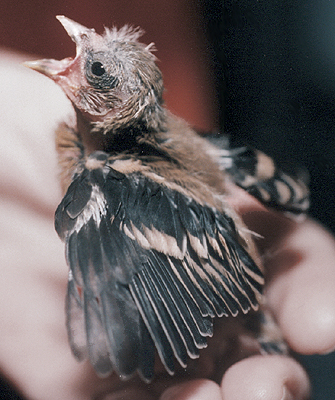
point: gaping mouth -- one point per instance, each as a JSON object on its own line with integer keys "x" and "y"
{"x": 49, "y": 67}
{"x": 70, "y": 74}
{"x": 53, "y": 68}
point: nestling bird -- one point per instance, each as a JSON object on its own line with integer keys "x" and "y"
{"x": 154, "y": 250}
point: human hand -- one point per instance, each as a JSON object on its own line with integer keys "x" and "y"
{"x": 34, "y": 353}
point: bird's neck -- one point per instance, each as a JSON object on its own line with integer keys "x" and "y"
{"x": 91, "y": 141}
{"x": 124, "y": 139}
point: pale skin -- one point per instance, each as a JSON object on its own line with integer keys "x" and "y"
{"x": 34, "y": 353}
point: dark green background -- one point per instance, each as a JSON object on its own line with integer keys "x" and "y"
{"x": 276, "y": 67}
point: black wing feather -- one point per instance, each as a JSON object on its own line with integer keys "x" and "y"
{"x": 175, "y": 310}
{"x": 140, "y": 295}
{"x": 77, "y": 196}
{"x": 162, "y": 307}
{"x": 198, "y": 326}
{"x": 198, "y": 307}
{"x": 72, "y": 259}
{"x": 150, "y": 267}
{"x": 146, "y": 353}
{"x": 284, "y": 188}
{"x": 122, "y": 255}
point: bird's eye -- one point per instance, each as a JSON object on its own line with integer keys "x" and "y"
{"x": 97, "y": 71}
{"x": 97, "y": 68}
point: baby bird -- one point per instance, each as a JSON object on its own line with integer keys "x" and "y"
{"x": 154, "y": 250}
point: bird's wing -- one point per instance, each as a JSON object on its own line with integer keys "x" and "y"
{"x": 149, "y": 267}
{"x": 285, "y": 189}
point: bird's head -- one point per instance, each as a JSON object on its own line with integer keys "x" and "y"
{"x": 113, "y": 81}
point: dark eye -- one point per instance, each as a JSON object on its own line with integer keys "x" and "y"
{"x": 97, "y": 68}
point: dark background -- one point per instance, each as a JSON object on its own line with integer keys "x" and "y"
{"x": 279, "y": 65}
{"x": 278, "y": 61}
{"x": 274, "y": 65}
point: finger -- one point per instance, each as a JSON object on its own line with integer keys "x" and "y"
{"x": 269, "y": 226}
{"x": 299, "y": 260}
{"x": 266, "y": 378}
{"x": 131, "y": 393}
{"x": 301, "y": 288}
{"x": 200, "y": 389}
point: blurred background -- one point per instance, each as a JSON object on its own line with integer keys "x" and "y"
{"x": 264, "y": 72}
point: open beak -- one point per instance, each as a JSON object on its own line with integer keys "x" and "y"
{"x": 49, "y": 67}
{"x": 78, "y": 33}
{"x": 53, "y": 68}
